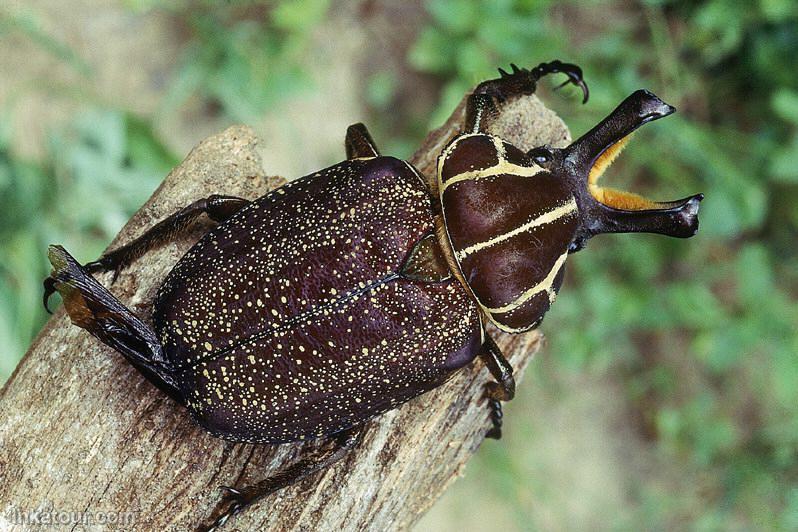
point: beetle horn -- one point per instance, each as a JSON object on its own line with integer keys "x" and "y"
{"x": 637, "y": 109}
{"x": 605, "y": 210}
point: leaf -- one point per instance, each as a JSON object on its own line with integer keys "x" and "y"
{"x": 785, "y": 104}
{"x": 299, "y": 15}
{"x": 381, "y": 88}
{"x": 432, "y": 52}
{"x": 784, "y": 162}
{"x": 755, "y": 280}
{"x": 456, "y": 16}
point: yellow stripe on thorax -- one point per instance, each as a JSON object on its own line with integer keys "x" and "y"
{"x": 547, "y": 217}
{"x": 501, "y": 167}
{"x": 544, "y": 285}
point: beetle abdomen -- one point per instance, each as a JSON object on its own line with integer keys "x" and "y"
{"x": 290, "y": 320}
{"x": 509, "y": 223}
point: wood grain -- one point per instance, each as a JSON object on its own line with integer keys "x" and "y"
{"x": 82, "y": 431}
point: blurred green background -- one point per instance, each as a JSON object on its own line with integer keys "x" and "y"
{"x": 666, "y": 395}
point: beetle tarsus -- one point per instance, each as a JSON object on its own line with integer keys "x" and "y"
{"x": 496, "y": 416}
{"x": 482, "y": 104}
{"x": 237, "y": 503}
{"x": 502, "y": 390}
{"x": 104, "y": 264}
{"x": 217, "y": 207}
{"x": 574, "y": 73}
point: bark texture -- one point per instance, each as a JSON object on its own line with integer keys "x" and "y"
{"x": 82, "y": 431}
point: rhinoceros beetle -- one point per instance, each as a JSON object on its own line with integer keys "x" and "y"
{"x": 345, "y": 293}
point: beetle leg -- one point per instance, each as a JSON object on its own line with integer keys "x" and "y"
{"x": 502, "y": 390}
{"x": 218, "y": 208}
{"x": 488, "y": 96}
{"x": 496, "y": 415}
{"x": 359, "y": 142}
{"x": 481, "y": 109}
{"x": 316, "y": 460}
{"x": 92, "y": 307}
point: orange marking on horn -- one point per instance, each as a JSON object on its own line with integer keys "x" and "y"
{"x": 606, "y": 159}
{"x": 618, "y": 199}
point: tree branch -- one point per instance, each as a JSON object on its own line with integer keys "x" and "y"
{"x": 82, "y": 431}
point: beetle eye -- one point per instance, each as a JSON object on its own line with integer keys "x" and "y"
{"x": 540, "y": 155}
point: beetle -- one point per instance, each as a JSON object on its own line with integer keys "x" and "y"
{"x": 345, "y": 293}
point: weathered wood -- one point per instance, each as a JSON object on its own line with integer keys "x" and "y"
{"x": 82, "y": 431}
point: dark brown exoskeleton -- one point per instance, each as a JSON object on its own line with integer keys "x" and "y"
{"x": 345, "y": 293}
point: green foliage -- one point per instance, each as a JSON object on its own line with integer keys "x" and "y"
{"x": 467, "y": 40}
{"x": 26, "y": 25}
{"x": 243, "y": 60}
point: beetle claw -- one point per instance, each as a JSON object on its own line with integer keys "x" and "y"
{"x": 94, "y": 266}
{"x": 579, "y": 83}
{"x": 222, "y": 519}
{"x": 103, "y": 265}
{"x": 582, "y": 85}
{"x": 503, "y": 73}
{"x": 237, "y": 503}
{"x": 494, "y": 434}
{"x": 561, "y": 85}
{"x": 231, "y": 491}
{"x": 237, "y": 498}
{"x": 49, "y": 289}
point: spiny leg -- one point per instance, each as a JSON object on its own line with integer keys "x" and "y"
{"x": 92, "y": 307}
{"x": 359, "y": 142}
{"x": 316, "y": 460}
{"x": 502, "y": 390}
{"x": 218, "y": 208}
{"x": 484, "y": 102}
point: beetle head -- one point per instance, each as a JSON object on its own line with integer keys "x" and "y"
{"x": 606, "y": 210}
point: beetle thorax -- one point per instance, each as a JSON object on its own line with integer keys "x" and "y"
{"x": 509, "y": 223}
